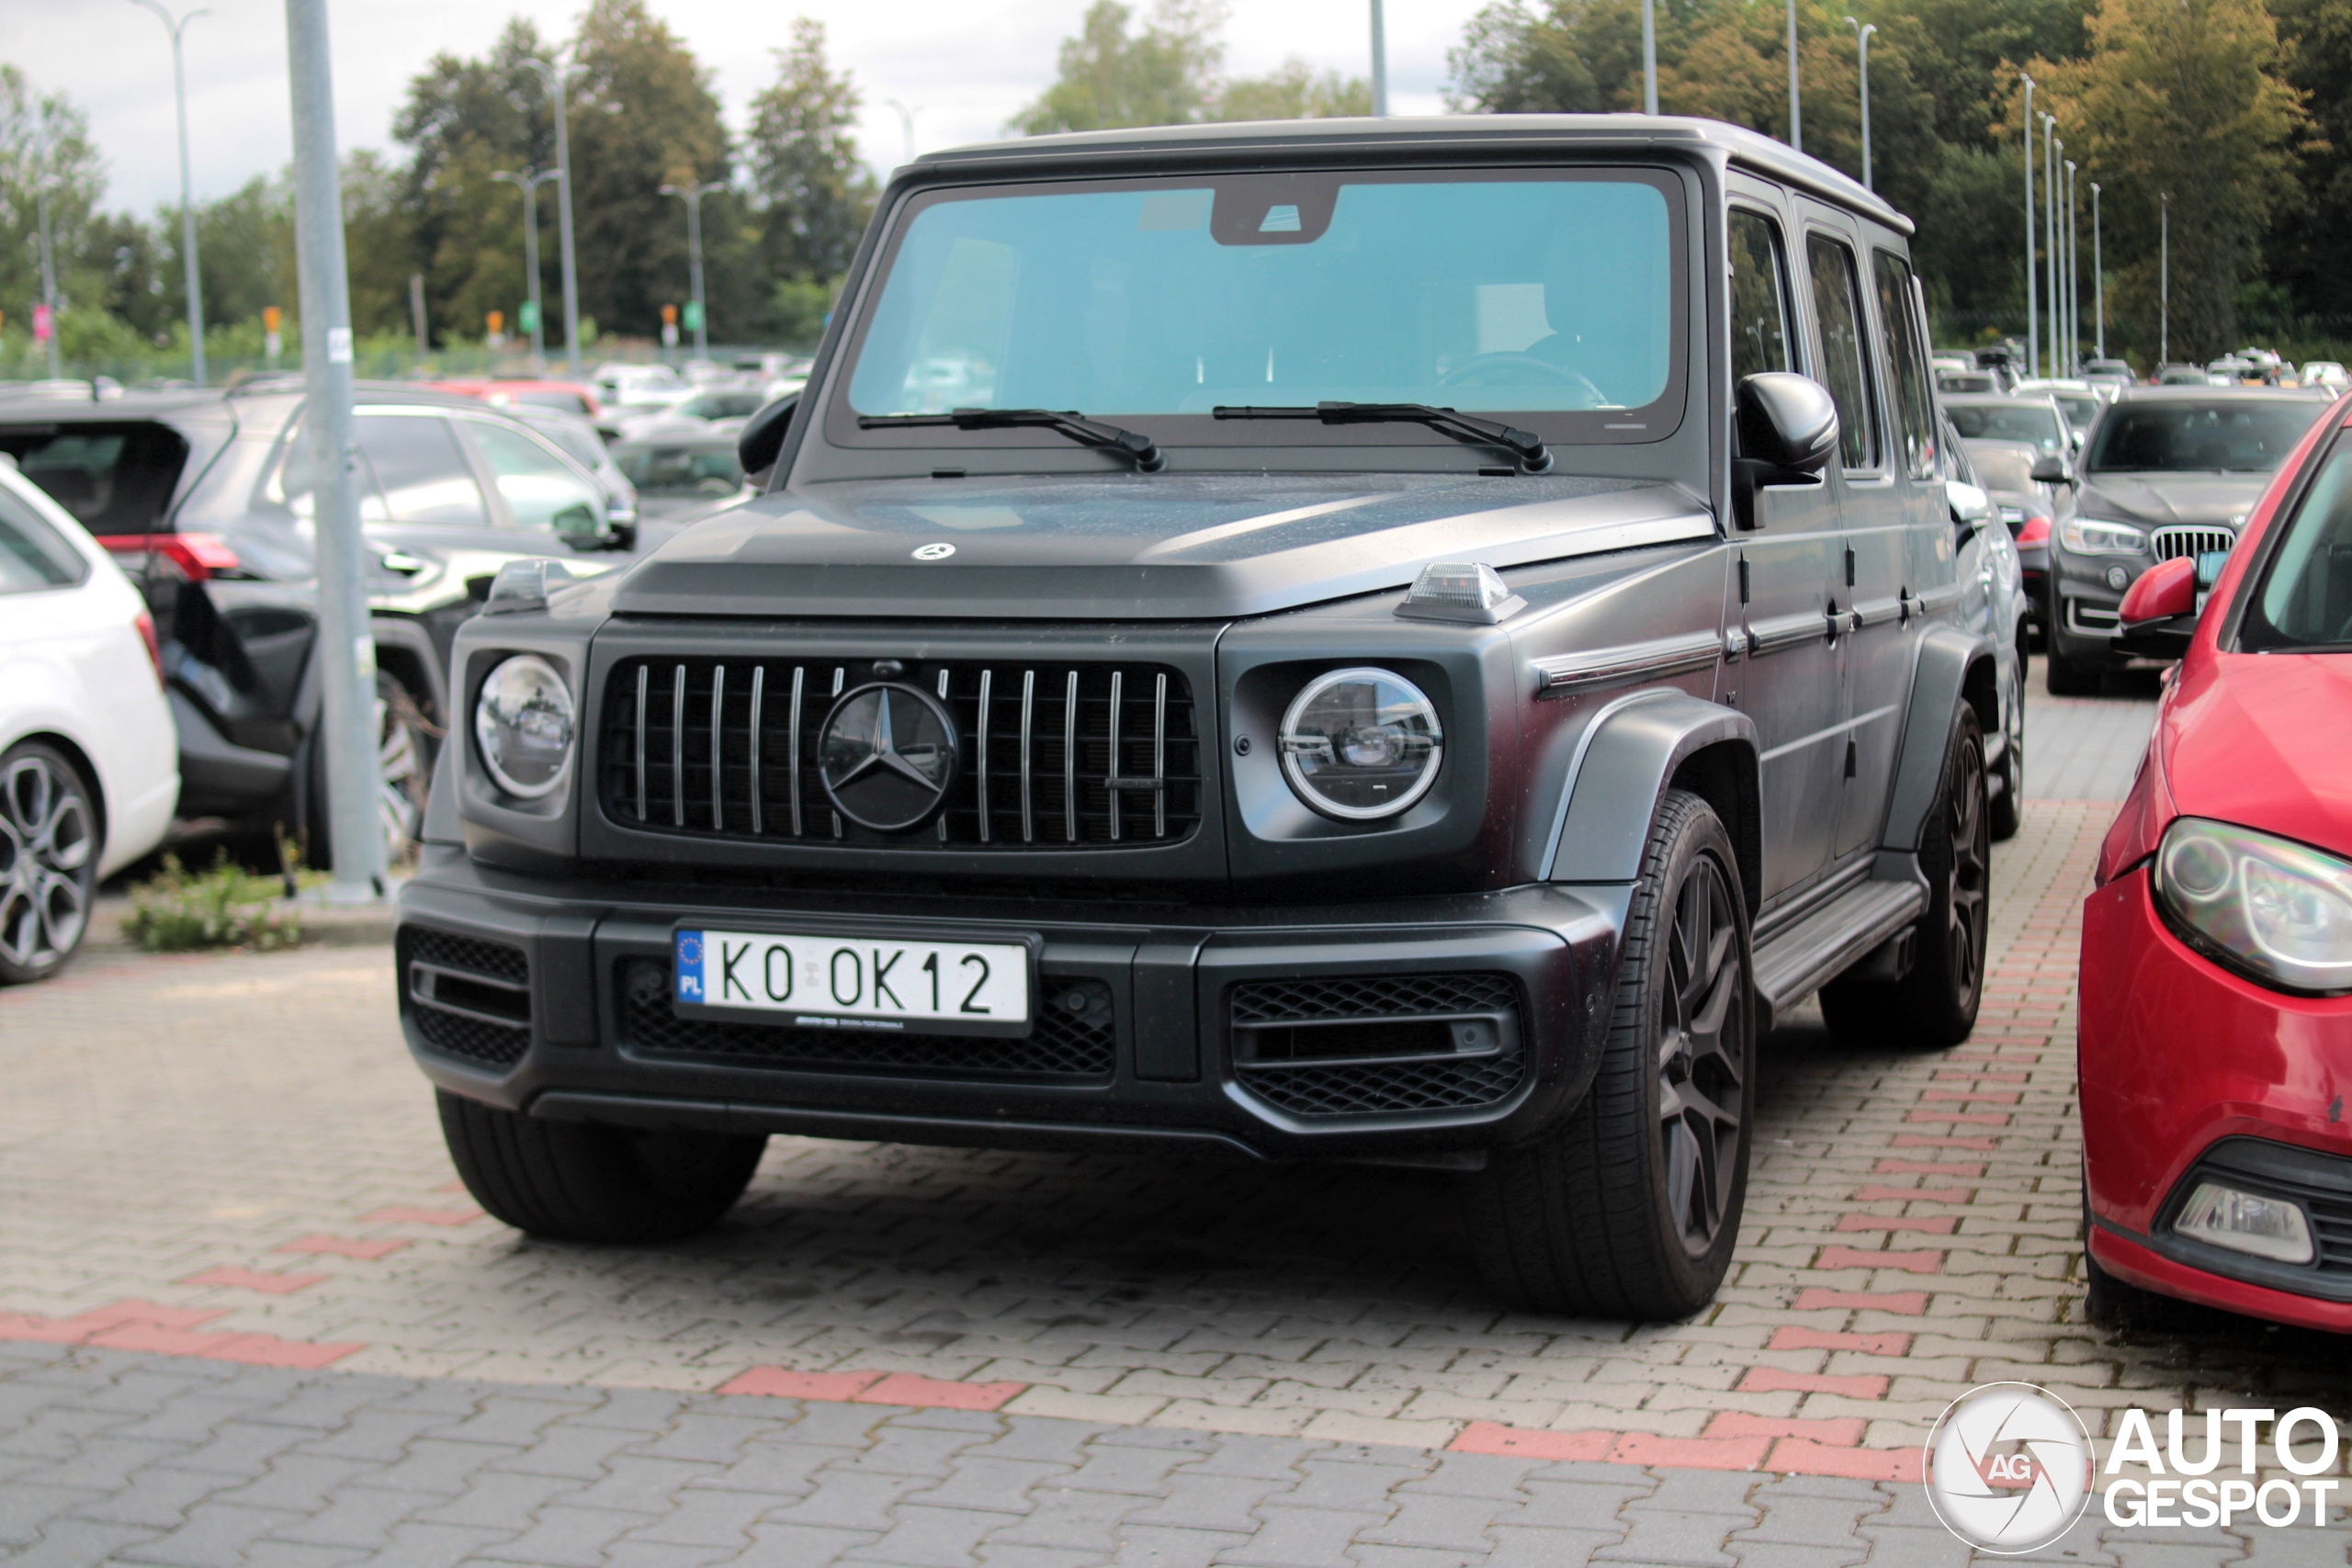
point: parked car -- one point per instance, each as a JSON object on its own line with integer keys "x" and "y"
{"x": 2182, "y": 376}
{"x": 87, "y": 775}
{"x": 2170, "y": 472}
{"x": 2108, "y": 377}
{"x": 585, "y": 445}
{"x": 206, "y": 498}
{"x": 2328, "y": 374}
{"x": 2078, "y": 401}
{"x": 680, "y": 471}
{"x": 719, "y": 410}
{"x": 576, "y": 398}
{"x": 2216, "y": 1025}
{"x": 1967, "y": 381}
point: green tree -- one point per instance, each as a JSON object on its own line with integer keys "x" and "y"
{"x": 2314, "y": 232}
{"x": 45, "y": 144}
{"x": 1292, "y": 91}
{"x": 814, "y": 191}
{"x": 1109, "y": 76}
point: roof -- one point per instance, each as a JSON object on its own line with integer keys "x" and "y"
{"x": 1519, "y": 134}
{"x": 2195, "y": 394}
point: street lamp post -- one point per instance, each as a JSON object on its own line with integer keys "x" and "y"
{"x": 2050, "y": 146}
{"x": 553, "y": 76}
{"x": 48, "y": 281}
{"x": 188, "y": 204}
{"x": 529, "y": 181}
{"x": 1796, "y": 122}
{"x": 1862, "y": 31}
{"x": 1649, "y": 57}
{"x": 2164, "y": 279}
{"x": 1379, "y": 62}
{"x": 2074, "y": 279}
{"x": 2032, "y": 325}
{"x": 906, "y": 124}
{"x": 693, "y": 195}
{"x": 2098, "y": 278}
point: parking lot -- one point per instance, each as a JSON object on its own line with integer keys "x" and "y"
{"x": 247, "y": 1315}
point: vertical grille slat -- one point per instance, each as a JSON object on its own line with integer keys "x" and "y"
{"x": 2172, "y": 543}
{"x": 1076, "y": 737}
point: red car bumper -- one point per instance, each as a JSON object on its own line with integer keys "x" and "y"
{"x": 2184, "y": 1067}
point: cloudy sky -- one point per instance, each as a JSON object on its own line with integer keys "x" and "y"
{"x": 963, "y": 66}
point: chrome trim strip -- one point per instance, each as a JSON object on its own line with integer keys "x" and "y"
{"x": 987, "y": 678}
{"x": 1599, "y": 666}
{"x": 800, "y": 674}
{"x": 1936, "y": 599}
{"x": 678, "y": 748}
{"x": 1070, "y": 760}
{"x": 717, "y": 776}
{"x": 1786, "y": 631}
{"x": 1028, "y": 707}
{"x": 1159, "y": 760}
{"x": 644, "y": 680}
{"x": 840, "y": 673}
{"x": 1118, "y": 679}
{"x": 1878, "y": 612}
{"x": 759, "y": 690}
{"x": 943, "y": 702}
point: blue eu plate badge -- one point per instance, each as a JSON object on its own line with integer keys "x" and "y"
{"x": 689, "y": 966}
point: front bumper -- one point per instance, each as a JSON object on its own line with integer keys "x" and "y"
{"x": 2187, "y": 1068}
{"x": 553, "y": 998}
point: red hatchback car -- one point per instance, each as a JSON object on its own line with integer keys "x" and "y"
{"x": 2215, "y": 1052}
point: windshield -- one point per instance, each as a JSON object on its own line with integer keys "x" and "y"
{"x": 2034, "y": 422}
{"x": 2306, "y": 598}
{"x": 2239, "y": 435}
{"x": 1551, "y": 292}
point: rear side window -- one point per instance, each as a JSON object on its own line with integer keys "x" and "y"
{"x": 1906, "y": 359}
{"x": 1759, "y": 298}
{"x": 420, "y": 471}
{"x": 33, "y": 555}
{"x": 113, "y": 477}
{"x": 1845, "y": 356}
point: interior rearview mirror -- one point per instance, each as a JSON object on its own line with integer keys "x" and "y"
{"x": 763, "y": 436}
{"x": 1788, "y": 431}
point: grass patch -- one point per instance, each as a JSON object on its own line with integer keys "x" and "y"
{"x": 179, "y": 910}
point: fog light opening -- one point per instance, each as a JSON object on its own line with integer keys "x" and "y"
{"x": 2246, "y": 1222}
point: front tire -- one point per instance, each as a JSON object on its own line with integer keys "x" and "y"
{"x": 586, "y": 1181}
{"x": 1935, "y": 1005}
{"x": 1630, "y": 1206}
{"x": 48, "y": 860}
{"x": 2008, "y": 807}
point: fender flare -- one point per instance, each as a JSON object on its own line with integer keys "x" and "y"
{"x": 1624, "y": 763}
{"x": 1939, "y": 682}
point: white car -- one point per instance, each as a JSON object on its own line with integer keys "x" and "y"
{"x": 2325, "y": 373}
{"x": 89, "y": 761}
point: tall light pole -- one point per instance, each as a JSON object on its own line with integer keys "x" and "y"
{"x": 1379, "y": 62}
{"x": 2050, "y": 145}
{"x": 49, "y": 277}
{"x": 346, "y": 648}
{"x": 2032, "y": 325}
{"x": 187, "y": 202}
{"x": 1796, "y": 123}
{"x": 1862, "y": 31}
{"x": 553, "y": 75}
{"x": 693, "y": 195}
{"x": 2098, "y": 278}
{"x": 1649, "y": 57}
{"x": 529, "y": 181}
{"x": 2164, "y": 280}
{"x": 906, "y": 124}
{"x": 2073, "y": 281}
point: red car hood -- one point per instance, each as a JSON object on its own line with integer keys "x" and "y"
{"x": 2265, "y": 740}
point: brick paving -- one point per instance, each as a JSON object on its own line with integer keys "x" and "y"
{"x": 246, "y": 1316}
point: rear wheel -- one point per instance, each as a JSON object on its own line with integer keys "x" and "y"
{"x": 2008, "y": 807}
{"x": 1935, "y": 1004}
{"x": 407, "y": 743}
{"x": 48, "y": 860}
{"x": 1630, "y": 1206}
{"x": 585, "y": 1182}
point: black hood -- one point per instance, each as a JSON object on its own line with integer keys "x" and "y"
{"x": 1131, "y": 546}
{"x": 2213, "y": 500}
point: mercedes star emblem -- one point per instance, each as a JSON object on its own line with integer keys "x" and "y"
{"x": 939, "y": 551}
{"x": 888, "y": 756}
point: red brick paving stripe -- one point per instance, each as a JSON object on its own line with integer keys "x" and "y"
{"x": 171, "y": 1331}
{"x": 232, "y": 1279}
{"x": 401, "y": 1214}
{"x": 1922, "y": 1141}
{"x": 1889, "y": 1166}
{"x": 340, "y": 1247}
{"x": 1837, "y": 1431}
{"x": 1963, "y": 1075}
{"x": 1913, "y": 1194}
{"x": 865, "y": 1387}
{"x": 1925, "y": 1224}
{"x": 1494, "y": 1438}
{"x": 1926, "y": 1262}
{"x": 1961, "y": 1118}
{"x": 1970, "y": 1096}
{"x": 1689, "y": 1453}
{"x": 1813, "y": 1298}
{"x": 1789, "y": 1336}
{"x": 1771, "y": 1380}
{"x": 1797, "y": 1456}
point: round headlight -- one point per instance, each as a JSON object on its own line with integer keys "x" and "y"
{"x": 523, "y": 722}
{"x": 1361, "y": 744}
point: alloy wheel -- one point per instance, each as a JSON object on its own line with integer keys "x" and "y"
{"x": 1701, "y": 1070}
{"x": 1970, "y": 873}
{"x": 404, "y": 769}
{"x": 46, "y": 843}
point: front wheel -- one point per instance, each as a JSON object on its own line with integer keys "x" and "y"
{"x": 585, "y": 1182}
{"x": 1630, "y": 1207}
{"x": 2008, "y": 807}
{"x": 48, "y": 860}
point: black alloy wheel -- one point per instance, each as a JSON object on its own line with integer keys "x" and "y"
{"x": 407, "y": 743}
{"x": 1629, "y": 1205}
{"x": 2009, "y": 807}
{"x": 48, "y": 861}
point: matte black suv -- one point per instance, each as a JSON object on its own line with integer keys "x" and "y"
{"x": 1499, "y": 637}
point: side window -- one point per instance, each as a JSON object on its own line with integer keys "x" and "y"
{"x": 1759, "y": 298}
{"x": 421, "y": 475}
{"x": 541, "y": 488}
{"x": 1845, "y": 356}
{"x": 33, "y": 556}
{"x": 1906, "y": 359}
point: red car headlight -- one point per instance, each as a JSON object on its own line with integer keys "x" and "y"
{"x": 2275, "y": 910}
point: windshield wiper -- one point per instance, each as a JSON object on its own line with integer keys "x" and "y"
{"x": 1070, "y": 421}
{"x": 1524, "y": 444}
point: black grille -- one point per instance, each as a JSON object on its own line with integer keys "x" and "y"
{"x": 1039, "y": 767}
{"x": 2171, "y": 544}
{"x": 468, "y": 999}
{"x": 1299, "y": 1083}
{"x": 1067, "y": 1043}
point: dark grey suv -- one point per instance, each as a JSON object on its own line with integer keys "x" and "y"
{"x": 1410, "y": 643}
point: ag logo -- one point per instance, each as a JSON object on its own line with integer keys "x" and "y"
{"x": 2008, "y": 1467}
{"x": 939, "y": 551}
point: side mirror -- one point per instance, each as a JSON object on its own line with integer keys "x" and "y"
{"x": 1971, "y": 507}
{"x": 1788, "y": 431}
{"x": 579, "y": 527}
{"x": 761, "y": 437}
{"x": 2159, "y": 613}
{"x": 2050, "y": 469}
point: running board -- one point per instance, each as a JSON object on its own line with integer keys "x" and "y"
{"x": 1794, "y": 962}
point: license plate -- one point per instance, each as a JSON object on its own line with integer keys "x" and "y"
{"x": 862, "y": 982}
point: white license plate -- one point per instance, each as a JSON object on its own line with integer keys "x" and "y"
{"x": 856, "y": 982}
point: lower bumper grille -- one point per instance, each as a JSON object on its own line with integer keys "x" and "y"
{"x": 467, "y": 997}
{"x": 1074, "y": 1037}
{"x": 1371, "y": 1044}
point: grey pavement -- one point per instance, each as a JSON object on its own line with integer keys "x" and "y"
{"x": 2087, "y": 748}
